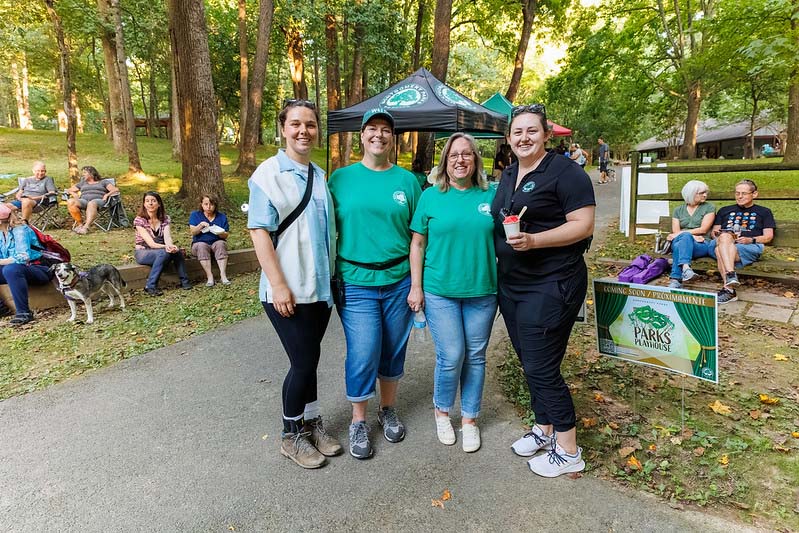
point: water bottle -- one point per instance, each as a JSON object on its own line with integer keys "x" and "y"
{"x": 419, "y": 326}
{"x": 736, "y": 229}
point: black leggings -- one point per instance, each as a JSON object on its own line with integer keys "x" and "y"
{"x": 539, "y": 319}
{"x": 301, "y": 335}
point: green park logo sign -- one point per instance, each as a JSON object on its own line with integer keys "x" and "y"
{"x": 404, "y": 96}
{"x": 672, "y": 329}
{"x": 451, "y": 97}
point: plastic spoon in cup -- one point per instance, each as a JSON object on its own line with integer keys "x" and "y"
{"x": 521, "y": 213}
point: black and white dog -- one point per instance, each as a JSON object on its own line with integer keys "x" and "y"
{"x": 81, "y": 286}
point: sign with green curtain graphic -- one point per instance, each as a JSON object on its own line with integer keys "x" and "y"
{"x": 673, "y": 329}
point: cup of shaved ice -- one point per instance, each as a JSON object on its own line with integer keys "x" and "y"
{"x": 511, "y": 225}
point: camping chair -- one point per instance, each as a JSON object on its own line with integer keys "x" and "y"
{"x": 112, "y": 213}
{"x": 45, "y": 213}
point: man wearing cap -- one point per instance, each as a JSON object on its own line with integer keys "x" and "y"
{"x": 374, "y": 204}
{"x": 19, "y": 258}
{"x": 34, "y": 190}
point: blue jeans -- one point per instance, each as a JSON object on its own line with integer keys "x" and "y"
{"x": 684, "y": 248}
{"x": 158, "y": 259}
{"x": 460, "y": 328}
{"x": 377, "y": 322}
{"x": 18, "y": 276}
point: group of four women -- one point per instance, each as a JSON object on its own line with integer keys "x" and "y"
{"x": 393, "y": 250}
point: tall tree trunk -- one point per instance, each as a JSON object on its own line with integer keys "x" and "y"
{"x": 791, "y": 146}
{"x": 21, "y": 92}
{"x": 752, "y": 118}
{"x": 174, "y": 113}
{"x": 317, "y": 88}
{"x": 202, "y": 172}
{"x": 116, "y": 121}
{"x": 529, "y": 9}
{"x": 333, "y": 77}
{"x": 134, "y": 164}
{"x": 251, "y": 134}
{"x": 143, "y": 97}
{"x": 78, "y": 116}
{"x": 355, "y": 90}
{"x": 153, "y": 118}
{"x": 66, "y": 84}
{"x": 244, "y": 68}
{"x": 688, "y": 149}
{"x": 296, "y": 60}
{"x": 101, "y": 92}
{"x": 417, "y": 41}
{"x": 443, "y": 19}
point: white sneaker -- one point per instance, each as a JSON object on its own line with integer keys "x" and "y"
{"x": 471, "y": 437}
{"x": 557, "y": 462}
{"x": 531, "y": 442}
{"x": 446, "y": 435}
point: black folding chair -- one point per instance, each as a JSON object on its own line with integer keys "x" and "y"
{"x": 112, "y": 213}
{"x": 45, "y": 213}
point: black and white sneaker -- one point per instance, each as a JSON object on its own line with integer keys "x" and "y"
{"x": 731, "y": 279}
{"x": 726, "y": 296}
{"x": 393, "y": 428}
{"x": 360, "y": 447}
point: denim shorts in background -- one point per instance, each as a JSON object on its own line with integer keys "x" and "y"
{"x": 749, "y": 253}
{"x": 377, "y": 323}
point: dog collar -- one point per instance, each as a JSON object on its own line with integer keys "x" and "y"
{"x": 64, "y": 288}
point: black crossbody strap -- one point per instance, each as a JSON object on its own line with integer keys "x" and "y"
{"x": 300, "y": 207}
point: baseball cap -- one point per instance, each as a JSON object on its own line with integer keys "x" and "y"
{"x": 5, "y": 212}
{"x": 377, "y": 112}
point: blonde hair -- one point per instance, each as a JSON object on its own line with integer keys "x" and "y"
{"x": 478, "y": 177}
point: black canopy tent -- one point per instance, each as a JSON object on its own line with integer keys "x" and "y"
{"x": 421, "y": 102}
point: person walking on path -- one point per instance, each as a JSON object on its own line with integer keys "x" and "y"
{"x": 542, "y": 281}
{"x": 375, "y": 200}
{"x": 604, "y": 154}
{"x": 453, "y": 231}
{"x": 295, "y": 276}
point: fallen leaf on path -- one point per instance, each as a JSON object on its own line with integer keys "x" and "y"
{"x": 781, "y": 448}
{"x": 634, "y": 463}
{"x": 574, "y": 475}
{"x": 265, "y": 437}
{"x": 438, "y": 503}
{"x": 795, "y": 434}
{"x": 791, "y": 258}
{"x": 724, "y": 460}
{"x": 627, "y": 450}
{"x": 780, "y": 357}
{"x": 447, "y": 495}
{"x": 613, "y": 425}
{"x": 598, "y": 398}
{"x": 719, "y": 408}
{"x": 788, "y": 294}
{"x": 768, "y": 400}
{"x": 755, "y": 414}
{"x": 652, "y": 448}
{"x": 589, "y": 422}
{"x": 676, "y": 441}
{"x": 699, "y": 451}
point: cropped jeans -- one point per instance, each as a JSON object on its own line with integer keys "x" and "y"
{"x": 377, "y": 323}
{"x": 684, "y": 248}
{"x": 460, "y": 328}
{"x": 158, "y": 259}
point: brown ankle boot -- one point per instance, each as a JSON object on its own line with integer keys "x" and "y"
{"x": 298, "y": 448}
{"x": 326, "y": 443}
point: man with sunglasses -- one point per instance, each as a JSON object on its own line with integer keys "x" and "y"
{"x": 741, "y": 232}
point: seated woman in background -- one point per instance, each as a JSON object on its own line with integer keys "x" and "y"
{"x": 90, "y": 193}
{"x": 19, "y": 264}
{"x": 154, "y": 246}
{"x": 210, "y": 229}
{"x": 689, "y": 225}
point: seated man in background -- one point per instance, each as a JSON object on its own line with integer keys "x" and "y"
{"x": 90, "y": 193}
{"x": 740, "y": 232}
{"x": 34, "y": 190}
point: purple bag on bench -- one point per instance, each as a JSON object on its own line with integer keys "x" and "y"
{"x": 637, "y": 265}
{"x": 655, "y": 269}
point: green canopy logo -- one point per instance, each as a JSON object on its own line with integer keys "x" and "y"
{"x": 484, "y": 209}
{"x": 528, "y": 187}
{"x": 451, "y": 97}
{"x": 405, "y": 96}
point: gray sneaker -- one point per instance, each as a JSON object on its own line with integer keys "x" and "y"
{"x": 393, "y": 428}
{"x": 688, "y": 274}
{"x": 360, "y": 447}
{"x": 298, "y": 448}
{"x": 726, "y": 296}
{"x": 731, "y": 279}
{"x": 675, "y": 283}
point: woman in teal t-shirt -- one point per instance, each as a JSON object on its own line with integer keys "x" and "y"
{"x": 689, "y": 225}
{"x": 454, "y": 278}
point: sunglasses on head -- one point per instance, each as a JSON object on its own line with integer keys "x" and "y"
{"x": 293, "y": 102}
{"x": 532, "y": 108}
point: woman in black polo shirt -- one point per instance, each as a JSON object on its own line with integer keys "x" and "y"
{"x": 542, "y": 280}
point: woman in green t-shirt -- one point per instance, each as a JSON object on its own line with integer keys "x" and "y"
{"x": 689, "y": 225}
{"x": 453, "y": 233}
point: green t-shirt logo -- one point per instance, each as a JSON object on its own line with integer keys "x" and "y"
{"x": 528, "y": 187}
{"x": 400, "y": 198}
{"x": 484, "y": 209}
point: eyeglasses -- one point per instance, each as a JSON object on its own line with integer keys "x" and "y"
{"x": 532, "y": 108}
{"x": 294, "y": 102}
{"x": 744, "y": 193}
{"x": 467, "y": 156}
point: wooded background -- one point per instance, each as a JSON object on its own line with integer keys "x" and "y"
{"x": 218, "y": 70}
